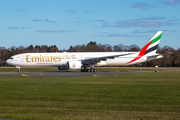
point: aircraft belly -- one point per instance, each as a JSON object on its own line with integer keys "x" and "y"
{"x": 117, "y": 61}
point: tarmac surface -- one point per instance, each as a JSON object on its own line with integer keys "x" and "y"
{"x": 62, "y": 74}
{"x": 85, "y": 74}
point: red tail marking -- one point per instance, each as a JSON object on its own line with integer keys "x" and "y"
{"x": 141, "y": 53}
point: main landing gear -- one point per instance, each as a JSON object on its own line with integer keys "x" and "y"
{"x": 88, "y": 70}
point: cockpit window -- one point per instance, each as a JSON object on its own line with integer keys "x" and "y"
{"x": 11, "y": 58}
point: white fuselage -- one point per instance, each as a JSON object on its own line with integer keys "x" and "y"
{"x": 58, "y": 59}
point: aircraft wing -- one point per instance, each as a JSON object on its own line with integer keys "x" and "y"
{"x": 98, "y": 59}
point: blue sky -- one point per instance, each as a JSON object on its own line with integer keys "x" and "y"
{"x": 75, "y": 22}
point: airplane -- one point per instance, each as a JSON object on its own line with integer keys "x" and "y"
{"x": 78, "y": 60}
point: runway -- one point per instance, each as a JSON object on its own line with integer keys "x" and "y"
{"x": 84, "y": 74}
{"x": 62, "y": 74}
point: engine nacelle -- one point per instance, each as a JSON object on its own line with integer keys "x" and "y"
{"x": 63, "y": 67}
{"x": 74, "y": 65}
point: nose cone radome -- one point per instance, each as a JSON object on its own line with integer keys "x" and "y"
{"x": 7, "y": 61}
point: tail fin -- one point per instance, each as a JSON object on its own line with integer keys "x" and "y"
{"x": 153, "y": 43}
{"x": 150, "y": 47}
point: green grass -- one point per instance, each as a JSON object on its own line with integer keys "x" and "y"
{"x": 138, "y": 96}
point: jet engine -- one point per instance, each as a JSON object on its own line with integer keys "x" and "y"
{"x": 72, "y": 65}
{"x": 63, "y": 67}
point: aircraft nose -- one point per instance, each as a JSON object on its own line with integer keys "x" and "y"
{"x": 7, "y": 61}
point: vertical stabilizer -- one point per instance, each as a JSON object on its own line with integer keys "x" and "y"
{"x": 154, "y": 42}
{"x": 150, "y": 48}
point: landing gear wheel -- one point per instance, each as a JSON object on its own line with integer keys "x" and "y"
{"x": 19, "y": 70}
{"x": 88, "y": 70}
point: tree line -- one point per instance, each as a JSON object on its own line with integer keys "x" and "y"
{"x": 169, "y": 60}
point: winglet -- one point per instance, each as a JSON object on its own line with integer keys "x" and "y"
{"x": 150, "y": 47}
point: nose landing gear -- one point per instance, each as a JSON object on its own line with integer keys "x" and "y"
{"x": 18, "y": 68}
